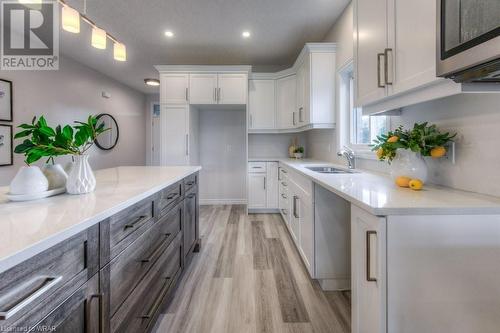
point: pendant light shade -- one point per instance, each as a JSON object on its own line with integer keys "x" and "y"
{"x": 98, "y": 38}
{"x": 70, "y": 20}
{"x": 120, "y": 52}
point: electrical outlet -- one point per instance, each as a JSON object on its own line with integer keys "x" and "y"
{"x": 450, "y": 152}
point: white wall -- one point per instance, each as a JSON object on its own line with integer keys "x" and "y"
{"x": 273, "y": 145}
{"x": 476, "y": 117}
{"x": 222, "y": 142}
{"x": 323, "y": 144}
{"x": 72, "y": 93}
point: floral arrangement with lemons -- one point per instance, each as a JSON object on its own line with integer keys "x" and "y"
{"x": 423, "y": 140}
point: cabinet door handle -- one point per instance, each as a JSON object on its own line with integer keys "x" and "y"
{"x": 218, "y": 94}
{"x": 100, "y": 298}
{"x": 154, "y": 306}
{"x": 190, "y": 183}
{"x": 133, "y": 224}
{"x": 172, "y": 195}
{"x": 50, "y": 281}
{"x": 215, "y": 94}
{"x": 386, "y": 66}
{"x": 379, "y": 83}
{"x": 251, "y": 121}
{"x": 369, "y": 237}
{"x": 295, "y": 199}
{"x": 150, "y": 258}
{"x": 301, "y": 119}
{"x": 187, "y": 144}
{"x": 187, "y": 94}
{"x": 265, "y": 183}
{"x": 284, "y": 184}
{"x": 283, "y": 196}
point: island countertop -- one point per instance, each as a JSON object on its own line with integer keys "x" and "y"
{"x": 28, "y": 228}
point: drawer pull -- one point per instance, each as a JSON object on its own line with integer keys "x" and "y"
{"x": 50, "y": 281}
{"x": 171, "y": 196}
{"x": 284, "y": 184}
{"x": 138, "y": 220}
{"x": 190, "y": 183}
{"x": 153, "y": 308}
{"x": 191, "y": 196}
{"x": 150, "y": 258}
{"x": 369, "y": 255}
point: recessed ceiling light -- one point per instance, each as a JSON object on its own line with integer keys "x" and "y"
{"x": 152, "y": 82}
{"x": 246, "y": 34}
{"x": 169, "y": 33}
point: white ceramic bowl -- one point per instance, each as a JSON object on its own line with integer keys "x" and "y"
{"x": 29, "y": 180}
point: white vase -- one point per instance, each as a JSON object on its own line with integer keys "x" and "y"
{"x": 56, "y": 175}
{"x": 81, "y": 178}
{"x": 408, "y": 164}
{"x": 29, "y": 180}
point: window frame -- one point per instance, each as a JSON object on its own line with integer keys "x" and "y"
{"x": 346, "y": 75}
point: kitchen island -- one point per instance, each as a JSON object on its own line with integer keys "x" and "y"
{"x": 103, "y": 261}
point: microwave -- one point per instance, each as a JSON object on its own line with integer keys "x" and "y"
{"x": 468, "y": 40}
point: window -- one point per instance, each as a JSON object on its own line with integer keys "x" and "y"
{"x": 359, "y": 131}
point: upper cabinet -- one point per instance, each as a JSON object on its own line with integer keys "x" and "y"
{"x": 174, "y": 88}
{"x": 286, "y": 97}
{"x": 305, "y": 93}
{"x": 203, "y": 88}
{"x": 213, "y": 88}
{"x": 395, "y": 55}
{"x": 261, "y": 104}
{"x": 232, "y": 88}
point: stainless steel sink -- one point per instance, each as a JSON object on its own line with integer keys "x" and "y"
{"x": 328, "y": 169}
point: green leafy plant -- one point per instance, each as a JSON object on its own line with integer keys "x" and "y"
{"x": 299, "y": 150}
{"x": 41, "y": 140}
{"x": 423, "y": 138}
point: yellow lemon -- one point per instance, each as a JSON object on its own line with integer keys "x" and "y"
{"x": 437, "y": 152}
{"x": 393, "y": 139}
{"x": 403, "y": 181}
{"x": 380, "y": 153}
{"x": 416, "y": 184}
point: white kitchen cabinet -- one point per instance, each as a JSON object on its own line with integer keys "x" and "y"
{"x": 232, "y": 88}
{"x": 301, "y": 116}
{"x": 370, "y": 41}
{"x": 203, "y": 88}
{"x": 261, "y": 104}
{"x": 272, "y": 185}
{"x": 257, "y": 190}
{"x": 174, "y": 145}
{"x": 368, "y": 253}
{"x": 263, "y": 185}
{"x": 286, "y": 96}
{"x": 174, "y": 88}
{"x": 303, "y": 213}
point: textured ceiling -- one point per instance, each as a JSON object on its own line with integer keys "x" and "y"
{"x": 206, "y": 32}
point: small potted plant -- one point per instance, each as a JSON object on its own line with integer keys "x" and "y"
{"x": 404, "y": 151}
{"x": 299, "y": 152}
{"x": 44, "y": 141}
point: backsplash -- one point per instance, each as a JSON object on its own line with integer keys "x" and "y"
{"x": 273, "y": 145}
{"x": 476, "y": 119}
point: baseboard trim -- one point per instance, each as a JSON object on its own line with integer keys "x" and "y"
{"x": 263, "y": 210}
{"x": 207, "y": 202}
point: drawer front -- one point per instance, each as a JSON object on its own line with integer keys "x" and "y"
{"x": 129, "y": 220}
{"x": 169, "y": 196}
{"x": 29, "y": 291}
{"x": 257, "y": 167}
{"x": 190, "y": 182}
{"x": 141, "y": 307}
{"x": 131, "y": 265}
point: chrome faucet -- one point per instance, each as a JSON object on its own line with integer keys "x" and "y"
{"x": 348, "y": 153}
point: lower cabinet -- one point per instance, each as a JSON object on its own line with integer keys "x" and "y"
{"x": 368, "y": 272}
{"x": 190, "y": 218}
{"x": 263, "y": 185}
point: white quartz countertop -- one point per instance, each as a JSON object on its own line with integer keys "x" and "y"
{"x": 377, "y": 194}
{"x": 28, "y": 228}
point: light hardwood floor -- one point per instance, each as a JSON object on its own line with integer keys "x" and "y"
{"x": 249, "y": 277}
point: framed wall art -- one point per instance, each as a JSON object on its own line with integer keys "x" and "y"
{"x": 5, "y": 100}
{"x": 6, "y": 151}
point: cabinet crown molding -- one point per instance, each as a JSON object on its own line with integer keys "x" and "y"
{"x": 204, "y": 68}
